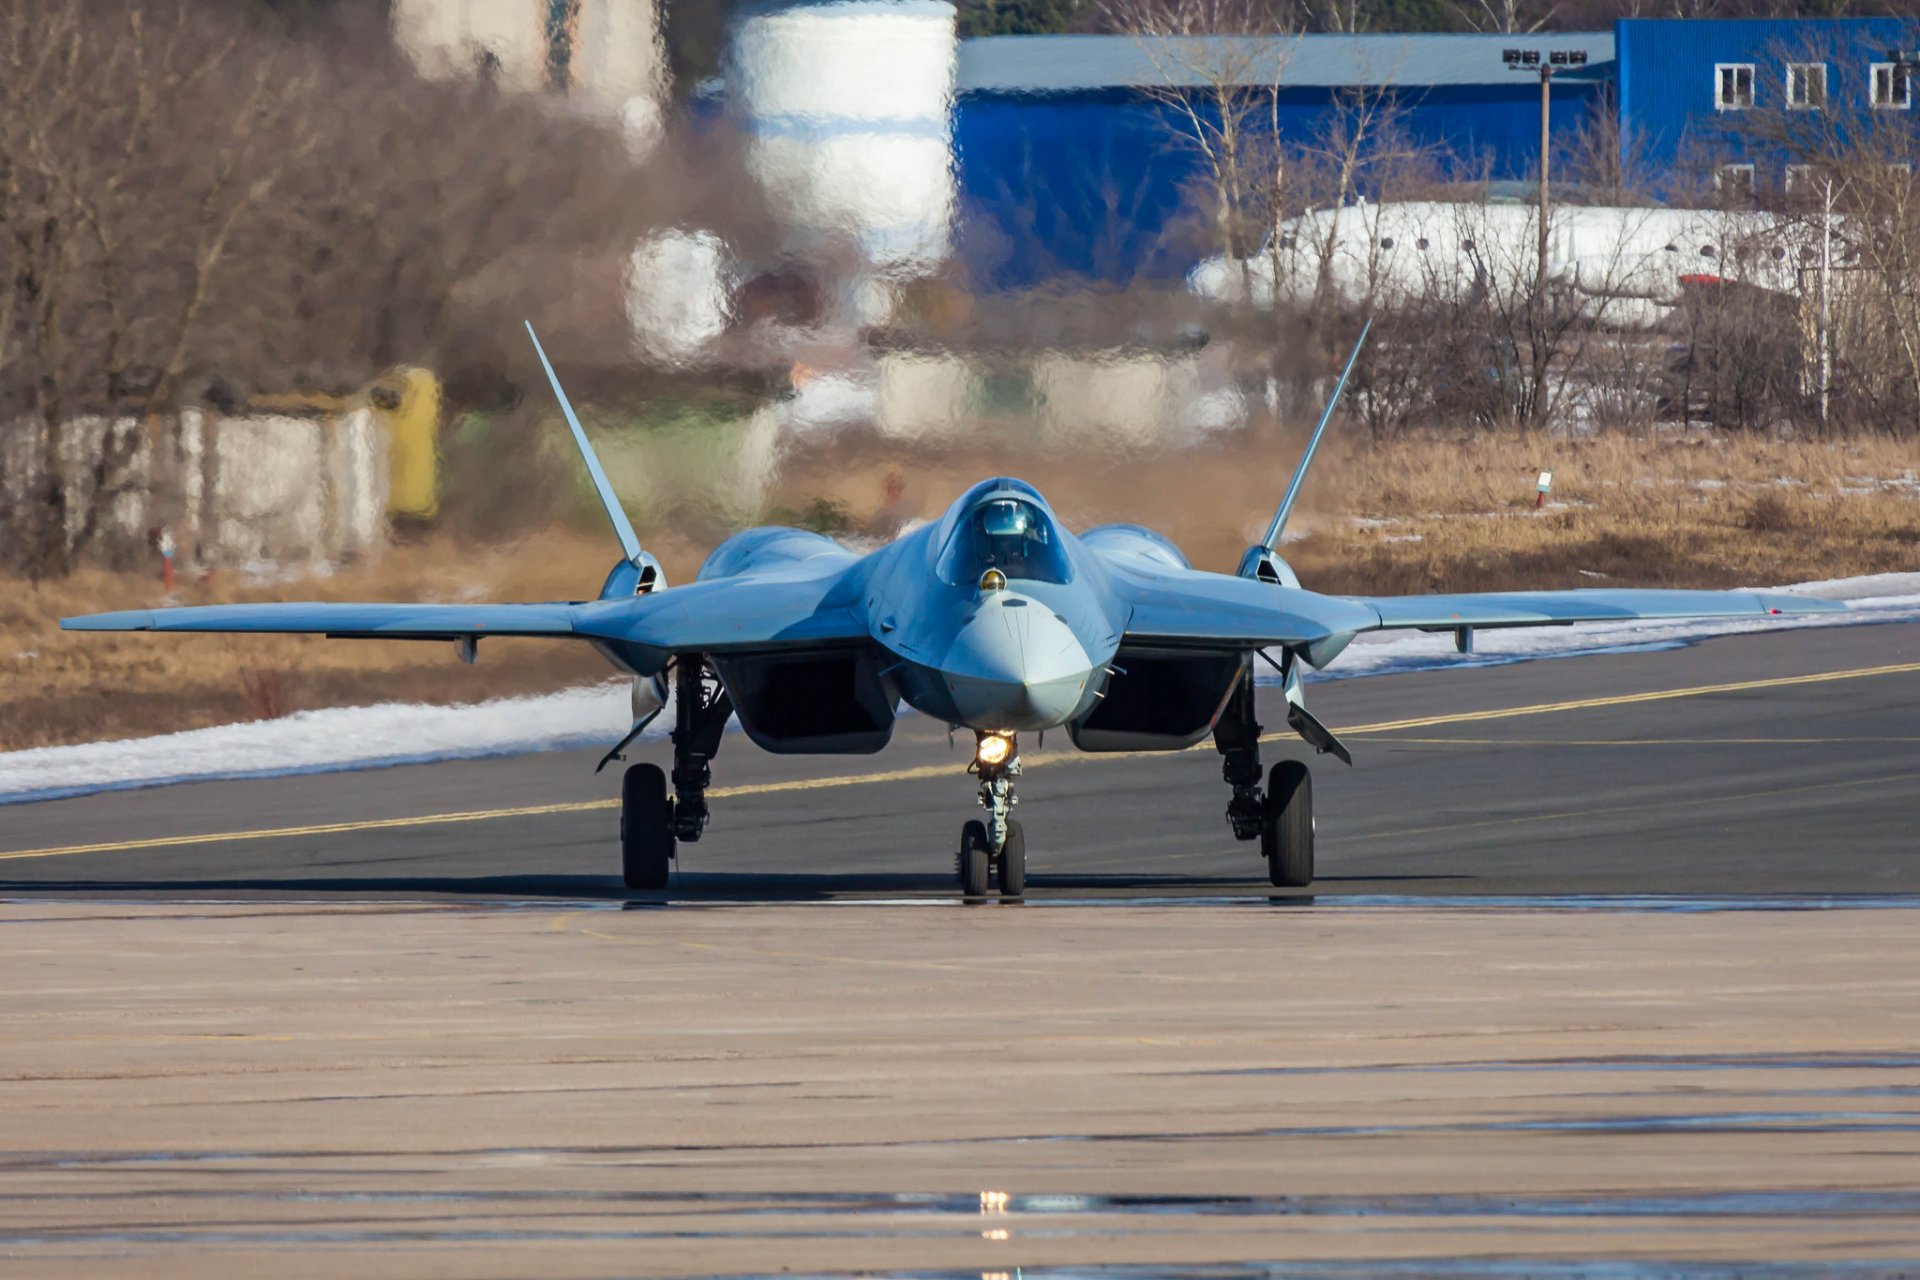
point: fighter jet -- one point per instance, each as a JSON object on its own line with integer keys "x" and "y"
{"x": 995, "y": 619}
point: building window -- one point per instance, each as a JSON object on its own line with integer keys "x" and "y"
{"x": 1732, "y": 86}
{"x": 1801, "y": 182}
{"x": 1807, "y": 85}
{"x": 1733, "y": 182}
{"x": 1892, "y": 89}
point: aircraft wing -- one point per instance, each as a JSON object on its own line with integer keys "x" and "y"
{"x": 1558, "y": 608}
{"x": 727, "y": 615}
{"x": 1211, "y": 609}
{"x": 359, "y": 621}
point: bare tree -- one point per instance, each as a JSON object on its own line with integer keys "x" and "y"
{"x": 189, "y": 200}
{"x": 137, "y": 142}
{"x": 1850, "y": 187}
{"x": 1505, "y": 16}
{"x": 1219, "y": 65}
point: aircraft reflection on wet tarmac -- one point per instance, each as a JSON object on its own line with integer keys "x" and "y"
{"x": 910, "y": 1215}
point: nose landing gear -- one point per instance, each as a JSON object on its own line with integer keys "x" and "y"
{"x": 998, "y": 844}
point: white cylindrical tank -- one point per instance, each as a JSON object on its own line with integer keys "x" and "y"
{"x": 848, "y": 110}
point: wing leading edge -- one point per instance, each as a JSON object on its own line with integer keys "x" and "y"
{"x": 1560, "y": 608}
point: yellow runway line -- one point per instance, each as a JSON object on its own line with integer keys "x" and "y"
{"x": 939, "y": 770}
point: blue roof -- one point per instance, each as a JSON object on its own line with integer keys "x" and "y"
{"x": 1081, "y": 64}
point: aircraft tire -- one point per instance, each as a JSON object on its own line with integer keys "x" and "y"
{"x": 973, "y": 860}
{"x": 1286, "y": 829}
{"x": 646, "y": 828}
{"x": 1013, "y": 862}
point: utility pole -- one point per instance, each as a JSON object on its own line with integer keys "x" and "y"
{"x": 1545, "y": 62}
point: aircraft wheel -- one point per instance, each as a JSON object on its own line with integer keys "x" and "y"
{"x": 1286, "y": 829}
{"x": 646, "y": 827}
{"x": 973, "y": 860}
{"x": 1013, "y": 863}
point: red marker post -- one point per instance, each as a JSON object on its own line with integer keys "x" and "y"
{"x": 1541, "y": 490}
{"x": 162, "y": 539}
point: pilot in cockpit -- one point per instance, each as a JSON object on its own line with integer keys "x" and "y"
{"x": 1010, "y": 535}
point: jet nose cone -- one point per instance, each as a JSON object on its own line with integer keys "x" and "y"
{"x": 1016, "y": 665}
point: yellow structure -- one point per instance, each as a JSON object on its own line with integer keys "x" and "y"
{"x": 406, "y": 404}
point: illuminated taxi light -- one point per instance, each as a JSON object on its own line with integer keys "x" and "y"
{"x": 994, "y": 749}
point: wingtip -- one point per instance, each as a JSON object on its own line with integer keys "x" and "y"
{"x": 132, "y": 620}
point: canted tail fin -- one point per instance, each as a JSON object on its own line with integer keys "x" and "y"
{"x": 1279, "y": 523}
{"x": 622, "y": 527}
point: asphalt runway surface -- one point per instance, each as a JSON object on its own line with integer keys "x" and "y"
{"x": 1763, "y": 764}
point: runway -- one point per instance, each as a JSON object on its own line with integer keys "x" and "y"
{"x": 1610, "y": 971}
{"x": 1751, "y": 765}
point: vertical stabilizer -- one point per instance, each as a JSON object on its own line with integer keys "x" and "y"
{"x": 1272, "y": 541}
{"x": 622, "y": 527}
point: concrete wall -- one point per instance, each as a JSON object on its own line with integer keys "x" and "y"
{"x": 230, "y": 490}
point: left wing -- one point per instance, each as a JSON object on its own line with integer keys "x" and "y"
{"x": 1190, "y": 608}
{"x": 1559, "y": 608}
{"x": 356, "y": 621}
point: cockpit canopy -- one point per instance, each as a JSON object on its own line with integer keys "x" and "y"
{"x": 1004, "y": 531}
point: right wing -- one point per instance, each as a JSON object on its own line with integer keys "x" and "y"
{"x": 353, "y": 621}
{"x": 729, "y": 615}
{"x": 726, "y": 615}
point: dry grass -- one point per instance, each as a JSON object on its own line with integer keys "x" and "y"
{"x": 1436, "y": 514}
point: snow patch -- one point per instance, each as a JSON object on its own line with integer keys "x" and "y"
{"x": 326, "y": 741}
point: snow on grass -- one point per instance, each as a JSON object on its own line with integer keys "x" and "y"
{"x": 325, "y": 741}
{"x": 596, "y": 716}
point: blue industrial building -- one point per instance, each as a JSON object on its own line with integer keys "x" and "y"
{"x": 1687, "y": 90}
{"x": 1073, "y": 165}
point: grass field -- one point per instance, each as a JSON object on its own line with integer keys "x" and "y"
{"x": 1416, "y": 515}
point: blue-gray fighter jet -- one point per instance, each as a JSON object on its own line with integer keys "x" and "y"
{"x": 995, "y": 618}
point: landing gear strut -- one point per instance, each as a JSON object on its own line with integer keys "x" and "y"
{"x": 651, "y": 824}
{"x": 1281, "y": 817}
{"x": 998, "y": 844}
{"x": 700, "y": 718}
{"x": 1237, "y": 737}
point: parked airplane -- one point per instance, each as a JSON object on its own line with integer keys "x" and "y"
{"x": 1626, "y": 266}
{"x": 996, "y": 618}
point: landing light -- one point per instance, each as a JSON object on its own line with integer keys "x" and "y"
{"x": 993, "y": 748}
{"x": 993, "y": 580}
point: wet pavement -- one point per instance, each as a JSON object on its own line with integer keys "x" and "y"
{"x": 385, "y": 1089}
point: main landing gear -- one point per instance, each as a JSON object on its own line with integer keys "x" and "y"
{"x": 1281, "y": 817}
{"x": 997, "y": 845}
{"x": 651, "y": 825}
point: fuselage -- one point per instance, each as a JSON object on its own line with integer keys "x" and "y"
{"x": 993, "y": 617}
